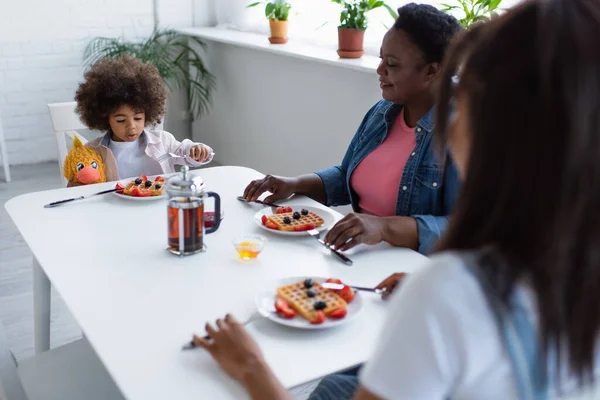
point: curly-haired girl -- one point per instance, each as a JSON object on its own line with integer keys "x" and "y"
{"x": 122, "y": 97}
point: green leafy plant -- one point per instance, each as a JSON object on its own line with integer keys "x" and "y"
{"x": 473, "y": 11}
{"x": 354, "y": 16}
{"x": 174, "y": 55}
{"x": 276, "y": 10}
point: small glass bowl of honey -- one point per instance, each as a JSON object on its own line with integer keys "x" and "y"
{"x": 249, "y": 246}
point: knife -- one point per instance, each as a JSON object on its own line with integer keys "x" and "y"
{"x": 59, "y": 202}
{"x": 316, "y": 234}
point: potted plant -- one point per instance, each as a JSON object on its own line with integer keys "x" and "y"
{"x": 353, "y": 23}
{"x": 473, "y": 11}
{"x": 172, "y": 54}
{"x": 277, "y": 12}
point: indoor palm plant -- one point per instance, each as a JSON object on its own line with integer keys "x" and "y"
{"x": 175, "y": 56}
{"x": 472, "y": 11}
{"x": 277, "y": 12}
{"x": 353, "y": 23}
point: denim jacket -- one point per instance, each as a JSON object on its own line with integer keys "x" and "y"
{"x": 427, "y": 189}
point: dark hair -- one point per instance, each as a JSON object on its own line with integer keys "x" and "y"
{"x": 430, "y": 29}
{"x": 531, "y": 79}
{"x": 111, "y": 83}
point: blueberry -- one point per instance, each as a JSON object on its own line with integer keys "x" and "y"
{"x": 319, "y": 305}
{"x": 287, "y": 220}
{"x": 308, "y": 283}
{"x": 157, "y": 186}
{"x": 304, "y": 212}
{"x": 296, "y": 215}
{"x": 138, "y": 181}
{"x": 311, "y": 293}
{"x": 148, "y": 183}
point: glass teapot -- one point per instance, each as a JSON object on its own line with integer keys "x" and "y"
{"x": 185, "y": 212}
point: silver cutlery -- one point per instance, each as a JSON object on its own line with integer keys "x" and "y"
{"x": 339, "y": 286}
{"x": 166, "y": 156}
{"x": 317, "y": 235}
{"x": 241, "y": 198}
{"x": 258, "y": 315}
{"x": 59, "y": 202}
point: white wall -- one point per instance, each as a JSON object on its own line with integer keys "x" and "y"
{"x": 41, "y": 44}
{"x": 281, "y": 115}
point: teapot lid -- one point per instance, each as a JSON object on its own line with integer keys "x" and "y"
{"x": 185, "y": 184}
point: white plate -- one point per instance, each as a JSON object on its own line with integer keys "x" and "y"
{"x": 327, "y": 216}
{"x": 125, "y": 182}
{"x": 265, "y": 302}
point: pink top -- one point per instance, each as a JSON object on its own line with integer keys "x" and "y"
{"x": 376, "y": 178}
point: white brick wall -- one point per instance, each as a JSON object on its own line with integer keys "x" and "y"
{"x": 41, "y": 44}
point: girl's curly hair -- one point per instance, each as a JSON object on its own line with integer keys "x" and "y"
{"x": 113, "y": 82}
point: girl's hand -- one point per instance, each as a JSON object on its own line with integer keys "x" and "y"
{"x": 391, "y": 283}
{"x": 200, "y": 152}
{"x": 233, "y": 348}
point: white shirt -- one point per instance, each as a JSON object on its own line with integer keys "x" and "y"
{"x": 132, "y": 160}
{"x": 441, "y": 340}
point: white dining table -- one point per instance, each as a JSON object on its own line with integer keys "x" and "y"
{"x": 137, "y": 303}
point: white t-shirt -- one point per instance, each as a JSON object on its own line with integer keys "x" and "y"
{"x": 132, "y": 160}
{"x": 441, "y": 340}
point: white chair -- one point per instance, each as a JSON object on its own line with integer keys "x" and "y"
{"x": 4, "y": 154}
{"x": 66, "y": 122}
{"x": 69, "y": 372}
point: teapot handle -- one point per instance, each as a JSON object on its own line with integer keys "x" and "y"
{"x": 217, "y": 222}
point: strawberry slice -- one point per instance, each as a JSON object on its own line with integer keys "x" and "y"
{"x": 347, "y": 293}
{"x": 159, "y": 179}
{"x": 280, "y": 210}
{"x": 119, "y": 188}
{"x": 269, "y": 224}
{"x": 281, "y": 305}
{"x": 319, "y": 318}
{"x": 334, "y": 280}
{"x": 264, "y": 219}
{"x": 288, "y": 313}
{"x": 338, "y": 313}
{"x": 144, "y": 177}
{"x": 288, "y": 209}
{"x": 304, "y": 227}
{"x": 136, "y": 192}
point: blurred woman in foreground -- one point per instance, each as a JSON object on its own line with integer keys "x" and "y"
{"x": 509, "y": 308}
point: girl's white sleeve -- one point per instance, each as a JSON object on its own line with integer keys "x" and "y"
{"x": 418, "y": 355}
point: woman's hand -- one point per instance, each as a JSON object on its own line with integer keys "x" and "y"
{"x": 232, "y": 347}
{"x": 354, "y": 229}
{"x": 280, "y": 187}
{"x": 200, "y": 152}
{"x": 391, "y": 283}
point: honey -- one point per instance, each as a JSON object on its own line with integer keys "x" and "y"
{"x": 248, "y": 250}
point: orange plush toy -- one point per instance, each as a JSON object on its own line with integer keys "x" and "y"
{"x": 83, "y": 165}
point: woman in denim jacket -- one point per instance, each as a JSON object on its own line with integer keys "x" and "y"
{"x": 400, "y": 192}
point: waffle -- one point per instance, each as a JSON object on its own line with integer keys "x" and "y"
{"x": 311, "y": 218}
{"x": 295, "y": 295}
{"x": 145, "y": 191}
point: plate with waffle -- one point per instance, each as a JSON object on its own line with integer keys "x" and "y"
{"x": 301, "y": 302}
{"x": 294, "y": 220}
{"x": 141, "y": 188}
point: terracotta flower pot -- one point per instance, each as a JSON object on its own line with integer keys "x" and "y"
{"x": 350, "y": 43}
{"x": 279, "y": 31}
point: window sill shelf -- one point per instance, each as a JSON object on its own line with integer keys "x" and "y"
{"x": 292, "y": 49}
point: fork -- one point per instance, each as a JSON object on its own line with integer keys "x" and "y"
{"x": 191, "y": 345}
{"x": 317, "y": 235}
{"x": 166, "y": 156}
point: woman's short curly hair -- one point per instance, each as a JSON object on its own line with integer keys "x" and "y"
{"x": 113, "y": 82}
